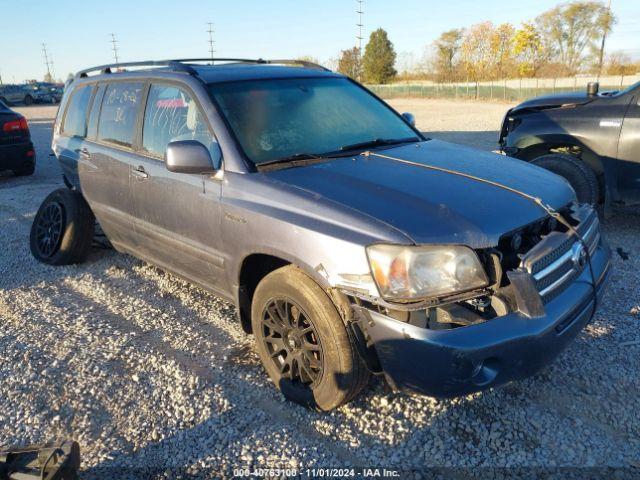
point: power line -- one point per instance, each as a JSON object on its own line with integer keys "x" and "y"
{"x": 211, "y": 42}
{"x": 114, "y": 42}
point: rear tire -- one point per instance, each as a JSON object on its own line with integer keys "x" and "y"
{"x": 62, "y": 230}
{"x": 28, "y": 100}
{"x": 576, "y": 172}
{"x": 327, "y": 374}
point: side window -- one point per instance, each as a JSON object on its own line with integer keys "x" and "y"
{"x": 118, "y": 113}
{"x": 75, "y": 121}
{"x": 171, "y": 115}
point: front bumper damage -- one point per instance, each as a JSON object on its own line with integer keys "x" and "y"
{"x": 453, "y": 362}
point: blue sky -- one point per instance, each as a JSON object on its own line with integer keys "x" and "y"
{"x": 77, "y": 33}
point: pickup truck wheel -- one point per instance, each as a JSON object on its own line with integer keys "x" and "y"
{"x": 576, "y": 172}
{"x": 62, "y": 231}
{"x": 303, "y": 343}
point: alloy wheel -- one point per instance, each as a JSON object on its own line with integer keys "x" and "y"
{"x": 291, "y": 341}
{"x": 49, "y": 229}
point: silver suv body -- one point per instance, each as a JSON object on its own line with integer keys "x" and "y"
{"x": 347, "y": 240}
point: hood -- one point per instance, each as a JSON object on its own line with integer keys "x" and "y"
{"x": 554, "y": 101}
{"x": 429, "y": 206}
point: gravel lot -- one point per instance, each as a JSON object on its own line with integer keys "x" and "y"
{"x": 154, "y": 377}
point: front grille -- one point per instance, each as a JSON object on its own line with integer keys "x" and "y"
{"x": 557, "y": 260}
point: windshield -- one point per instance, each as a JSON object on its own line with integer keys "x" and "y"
{"x": 275, "y": 119}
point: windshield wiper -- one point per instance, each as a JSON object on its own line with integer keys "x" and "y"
{"x": 295, "y": 159}
{"x": 379, "y": 142}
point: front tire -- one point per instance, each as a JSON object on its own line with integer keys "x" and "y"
{"x": 62, "y": 230}
{"x": 303, "y": 343}
{"x": 28, "y": 100}
{"x": 579, "y": 175}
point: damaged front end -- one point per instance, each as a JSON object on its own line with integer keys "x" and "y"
{"x": 538, "y": 296}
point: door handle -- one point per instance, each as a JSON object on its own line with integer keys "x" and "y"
{"x": 139, "y": 172}
{"x": 84, "y": 153}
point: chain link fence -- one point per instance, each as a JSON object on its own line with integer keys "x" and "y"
{"x": 508, "y": 90}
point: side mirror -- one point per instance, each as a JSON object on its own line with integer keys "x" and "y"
{"x": 190, "y": 156}
{"x": 410, "y": 118}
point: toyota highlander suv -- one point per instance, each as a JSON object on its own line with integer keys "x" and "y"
{"x": 349, "y": 242}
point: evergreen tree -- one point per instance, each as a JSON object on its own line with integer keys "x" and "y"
{"x": 379, "y": 58}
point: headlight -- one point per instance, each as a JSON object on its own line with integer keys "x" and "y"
{"x": 417, "y": 272}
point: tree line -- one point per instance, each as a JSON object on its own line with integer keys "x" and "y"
{"x": 565, "y": 40}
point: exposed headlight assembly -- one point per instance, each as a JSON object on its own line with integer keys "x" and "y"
{"x": 409, "y": 273}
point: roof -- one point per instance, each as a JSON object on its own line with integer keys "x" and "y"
{"x": 232, "y": 72}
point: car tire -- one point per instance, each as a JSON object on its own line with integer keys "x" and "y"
{"x": 309, "y": 356}
{"x": 25, "y": 171}
{"x": 579, "y": 175}
{"x": 63, "y": 228}
{"x": 28, "y": 100}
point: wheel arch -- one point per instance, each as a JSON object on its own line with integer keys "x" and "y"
{"x": 571, "y": 146}
{"x": 253, "y": 268}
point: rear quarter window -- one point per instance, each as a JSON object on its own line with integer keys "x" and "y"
{"x": 119, "y": 112}
{"x": 75, "y": 121}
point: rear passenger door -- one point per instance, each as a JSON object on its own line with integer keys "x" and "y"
{"x": 71, "y": 138}
{"x": 177, "y": 220}
{"x": 109, "y": 156}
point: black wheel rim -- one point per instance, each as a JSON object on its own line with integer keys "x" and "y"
{"x": 291, "y": 341}
{"x": 49, "y": 229}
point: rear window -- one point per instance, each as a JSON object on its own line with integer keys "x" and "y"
{"x": 75, "y": 122}
{"x": 119, "y": 112}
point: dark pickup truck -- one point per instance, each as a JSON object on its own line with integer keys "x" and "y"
{"x": 591, "y": 139}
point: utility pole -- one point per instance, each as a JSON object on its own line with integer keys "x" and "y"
{"x": 114, "y": 47}
{"x": 211, "y": 42}
{"x": 604, "y": 37}
{"x": 53, "y": 72}
{"x": 360, "y": 11}
{"x": 46, "y": 61}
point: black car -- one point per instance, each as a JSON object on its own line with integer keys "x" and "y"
{"x": 591, "y": 139}
{"x": 16, "y": 149}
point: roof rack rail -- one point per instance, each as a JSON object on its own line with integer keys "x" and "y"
{"x": 182, "y": 64}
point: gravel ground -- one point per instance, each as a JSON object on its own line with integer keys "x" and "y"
{"x": 154, "y": 377}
